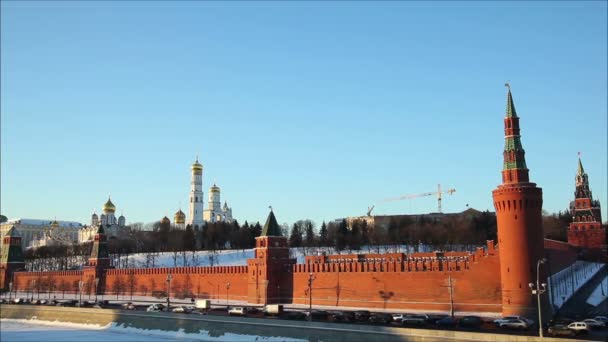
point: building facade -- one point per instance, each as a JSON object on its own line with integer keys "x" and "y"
{"x": 586, "y": 229}
{"x": 35, "y": 232}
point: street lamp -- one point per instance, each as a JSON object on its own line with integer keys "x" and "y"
{"x": 96, "y": 285}
{"x": 80, "y": 285}
{"x": 311, "y": 277}
{"x": 10, "y": 290}
{"x": 32, "y": 289}
{"x": 227, "y": 288}
{"x": 169, "y": 277}
{"x": 537, "y": 290}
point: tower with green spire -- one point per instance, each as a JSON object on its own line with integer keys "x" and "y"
{"x": 270, "y": 279}
{"x": 586, "y": 230}
{"x": 514, "y": 166}
{"x": 11, "y": 257}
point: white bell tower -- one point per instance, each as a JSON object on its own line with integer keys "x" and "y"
{"x": 195, "y": 212}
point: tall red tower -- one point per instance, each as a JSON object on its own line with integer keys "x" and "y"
{"x": 518, "y": 204}
{"x": 586, "y": 229}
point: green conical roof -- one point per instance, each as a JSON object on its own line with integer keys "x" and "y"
{"x": 581, "y": 170}
{"x": 510, "y": 113}
{"x": 271, "y": 227}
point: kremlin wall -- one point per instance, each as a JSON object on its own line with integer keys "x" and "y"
{"x": 492, "y": 279}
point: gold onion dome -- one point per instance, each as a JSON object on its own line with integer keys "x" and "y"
{"x": 109, "y": 206}
{"x": 197, "y": 166}
{"x": 180, "y": 217}
{"x": 215, "y": 188}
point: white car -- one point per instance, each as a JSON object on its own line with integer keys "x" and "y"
{"x": 237, "y": 311}
{"x": 579, "y": 327}
{"x": 515, "y": 324}
{"x": 508, "y": 318}
{"x": 601, "y": 319}
{"x": 181, "y": 309}
{"x": 155, "y": 308}
{"x": 398, "y": 317}
{"x": 594, "y": 323}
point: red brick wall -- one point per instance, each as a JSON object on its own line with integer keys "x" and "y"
{"x": 403, "y": 285}
{"x": 58, "y": 281}
{"x": 204, "y": 282}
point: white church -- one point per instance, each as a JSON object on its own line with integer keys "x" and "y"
{"x": 197, "y": 214}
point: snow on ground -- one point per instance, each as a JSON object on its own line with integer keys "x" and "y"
{"x": 599, "y": 294}
{"x": 234, "y": 257}
{"x": 20, "y": 330}
{"x": 563, "y": 284}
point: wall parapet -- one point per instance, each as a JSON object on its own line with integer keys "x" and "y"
{"x": 180, "y": 270}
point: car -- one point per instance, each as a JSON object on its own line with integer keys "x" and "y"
{"x": 380, "y": 318}
{"x": 155, "y": 308}
{"x": 579, "y": 327}
{"x": 414, "y": 320}
{"x": 297, "y": 315}
{"x": 319, "y": 314}
{"x": 337, "y": 316}
{"x": 508, "y": 318}
{"x": 471, "y": 322}
{"x": 519, "y": 324}
{"x": 561, "y": 321}
{"x": 447, "y": 322}
{"x": 362, "y": 315}
{"x": 253, "y": 310}
{"x": 398, "y": 317}
{"x": 561, "y": 330}
{"x": 237, "y": 311}
{"x": 594, "y": 324}
{"x": 601, "y": 318}
{"x": 128, "y": 306}
{"x": 432, "y": 319}
{"x": 181, "y": 309}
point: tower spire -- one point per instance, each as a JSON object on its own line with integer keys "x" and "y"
{"x": 580, "y": 170}
{"x": 514, "y": 167}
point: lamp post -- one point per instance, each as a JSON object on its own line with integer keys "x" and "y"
{"x": 311, "y": 277}
{"x": 169, "y": 277}
{"x": 96, "y": 285}
{"x": 32, "y": 289}
{"x": 227, "y": 288}
{"x": 10, "y": 290}
{"x": 537, "y": 290}
{"x": 80, "y": 285}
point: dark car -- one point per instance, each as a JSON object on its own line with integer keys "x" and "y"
{"x": 362, "y": 315}
{"x": 447, "y": 322}
{"x": 295, "y": 315}
{"x": 561, "y": 330}
{"x": 380, "y": 318}
{"x": 471, "y": 322}
{"x": 319, "y": 314}
{"x": 432, "y": 319}
{"x": 418, "y": 320}
{"x": 337, "y": 316}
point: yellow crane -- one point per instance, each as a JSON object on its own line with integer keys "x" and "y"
{"x": 438, "y": 193}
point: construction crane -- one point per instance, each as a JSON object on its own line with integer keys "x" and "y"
{"x": 438, "y": 193}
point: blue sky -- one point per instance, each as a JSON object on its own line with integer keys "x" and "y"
{"x": 318, "y": 109}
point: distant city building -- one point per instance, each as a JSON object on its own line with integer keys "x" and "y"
{"x": 36, "y": 232}
{"x": 215, "y": 212}
{"x": 111, "y": 225}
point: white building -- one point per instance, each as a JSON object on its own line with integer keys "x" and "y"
{"x": 35, "y": 232}
{"x": 215, "y": 212}
{"x": 111, "y": 225}
{"x": 196, "y": 206}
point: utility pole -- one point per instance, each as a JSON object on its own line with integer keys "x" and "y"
{"x": 169, "y": 277}
{"x": 537, "y": 290}
{"x": 227, "y": 288}
{"x": 96, "y": 285}
{"x": 451, "y": 296}
{"x": 310, "y": 279}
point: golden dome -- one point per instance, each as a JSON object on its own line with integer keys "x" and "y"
{"x": 179, "y": 217}
{"x": 109, "y": 206}
{"x": 165, "y": 220}
{"x": 54, "y": 224}
{"x": 197, "y": 166}
{"x": 215, "y": 188}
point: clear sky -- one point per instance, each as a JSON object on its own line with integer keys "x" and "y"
{"x": 318, "y": 109}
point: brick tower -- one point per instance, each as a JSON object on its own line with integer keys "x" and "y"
{"x": 99, "y": 261}
{"x": 586, "y": 229}
{"x": 270, "y": 275}
{"x": 11, "y": 258}
{"x": 518, "y": 204}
